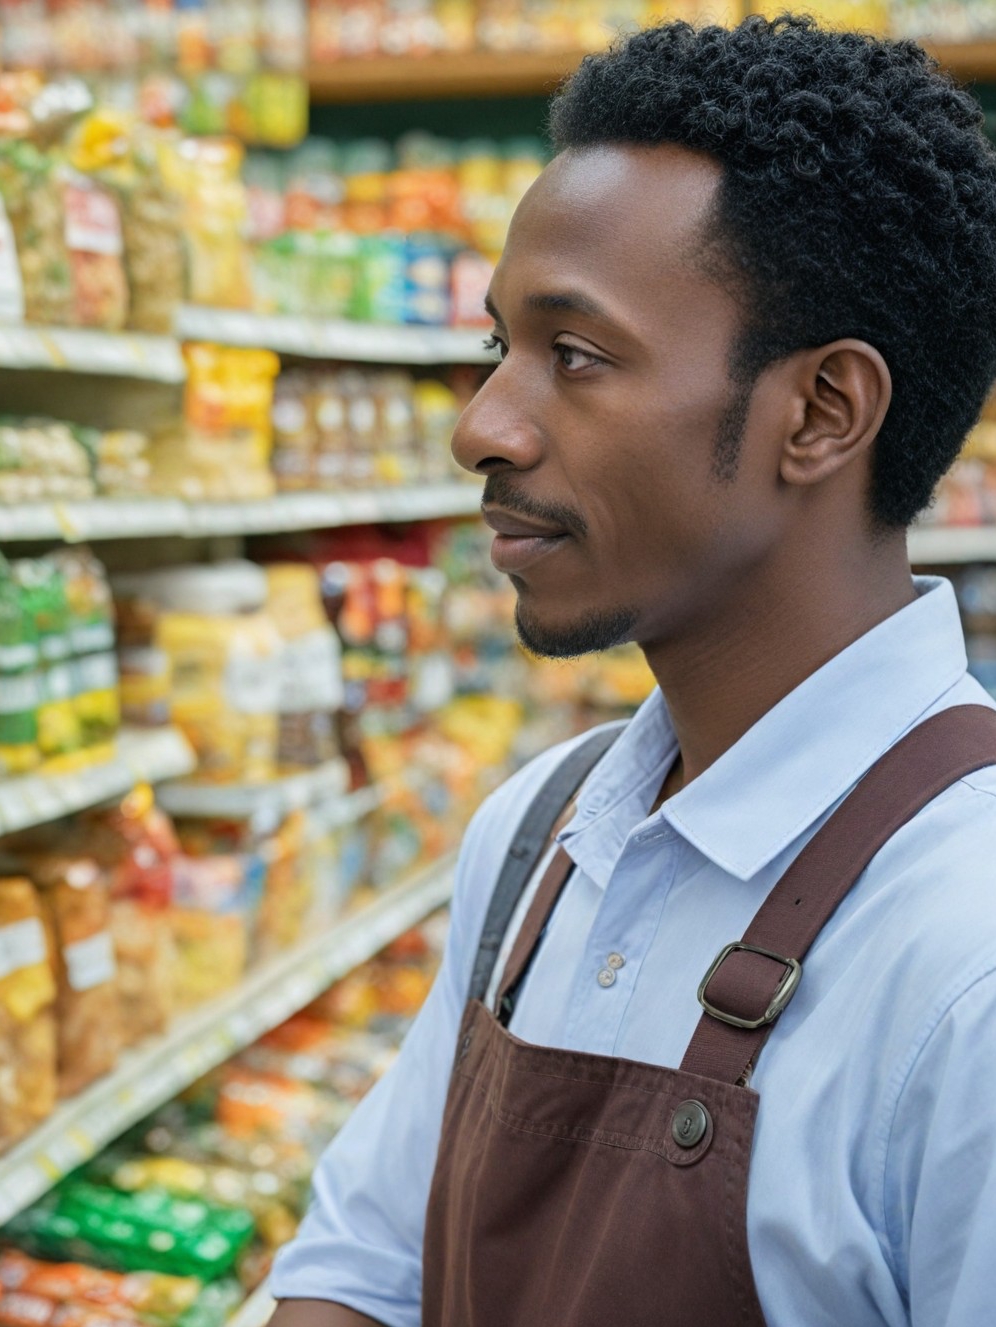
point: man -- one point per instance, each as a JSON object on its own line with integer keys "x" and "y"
{"x": 745, "y": 318}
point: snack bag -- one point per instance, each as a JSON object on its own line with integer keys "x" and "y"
{"x": 77, "y": 906}
{"x": 96, "y": 254}
{"x": 27, "y": 1013}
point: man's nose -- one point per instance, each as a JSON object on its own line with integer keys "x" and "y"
{"x": 496, "y": 431}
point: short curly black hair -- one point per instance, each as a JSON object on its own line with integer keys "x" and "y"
{"x": 858, "y": 199}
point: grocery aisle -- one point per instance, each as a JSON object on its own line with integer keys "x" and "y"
{"x": 256, "y": 671}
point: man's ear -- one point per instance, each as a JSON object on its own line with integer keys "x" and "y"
{"x": 844, "y": 392}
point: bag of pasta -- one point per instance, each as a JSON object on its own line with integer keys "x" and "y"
{"x": 27, "y": 1013}
{"x": 77, "y": 904}
{"x": 33, "y": 213}
{"x": 135, "y": 845}
{"x": 125, "y": 157}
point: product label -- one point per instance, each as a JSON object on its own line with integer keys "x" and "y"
{"x": 90, "y": 962}
{"x": 311, "y": 673}
{"x": 252, "y": 684}
{"x": 11, "y": 286}
{"x": 22, "y": 945}
{"x": 15, "y": 657}
{"x": 19, "y": 694}
{"x": 92, "y": 221}
{"x": 59, "y": 682}
{"x": 92, "y": 638}
{"x": 96, "y": 672}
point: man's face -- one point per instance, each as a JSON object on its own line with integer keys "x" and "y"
{"x": 602, "y": 431}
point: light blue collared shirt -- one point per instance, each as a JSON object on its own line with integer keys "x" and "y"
{"x": 872, "y": 1193}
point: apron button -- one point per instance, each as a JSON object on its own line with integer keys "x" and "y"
{"x": 689, "y": 1124}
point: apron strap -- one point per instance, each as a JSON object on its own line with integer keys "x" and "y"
{"x": 529, "y": 844}
{"x": 752, "y": 981}
{"x": 551, "y": 887}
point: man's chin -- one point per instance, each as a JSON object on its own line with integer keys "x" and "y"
{"x": 587, "y": 634}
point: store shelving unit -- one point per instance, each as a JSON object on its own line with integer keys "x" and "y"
{"x": 236, "y": 801}
{"x": 156, "y": 1071}
{"x": 160, "y": 358}
{"x": 321, "y": 338}
{"x": 141, "y": 757}
{"x": 952, "y": 544}
{"x": 444, "y": 74}
{"x": 255, "y": 1311}
{"x": 144, "y": 518}
{"x": 80, "y": 350}
{"x": 528, "y": 73}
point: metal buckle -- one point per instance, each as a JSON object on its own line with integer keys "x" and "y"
{"x": 786, "y": 987}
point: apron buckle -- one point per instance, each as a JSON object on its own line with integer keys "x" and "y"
{"x": 741, "y": 985}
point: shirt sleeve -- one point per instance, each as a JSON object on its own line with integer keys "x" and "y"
{"x": 940, "y": 1178}
{"x": 360, "y": 1243}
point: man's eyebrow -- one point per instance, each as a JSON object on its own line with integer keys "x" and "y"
{"x": 561, "y": 301}
{"x": 566, "y": 301}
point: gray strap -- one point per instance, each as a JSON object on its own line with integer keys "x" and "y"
{"x": 531, "y": 838}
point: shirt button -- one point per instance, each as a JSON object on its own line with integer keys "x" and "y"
{"x": 606, "y": 977}
{"x": 616, "y": 961}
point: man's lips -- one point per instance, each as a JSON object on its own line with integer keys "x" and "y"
{"x": 520, "y": 541}
{"x": 520, "y": 527}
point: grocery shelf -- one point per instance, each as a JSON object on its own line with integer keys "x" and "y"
{"x": 320, "y": 338}
{"x": 971, "y": 62}
{"x": 256, "y": 1311}
{"x": 237, "y": 801}
{"x": 443, "y": 74}
{"x": 952, "y": 543}
{"x": 528, "y": 73}
{"x": 84, "y": 350}
{"x": 140, "y": 757}
{"x": 145, "y": 518}
{"x": 156, "y": 1071}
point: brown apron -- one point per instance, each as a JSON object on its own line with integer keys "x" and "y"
{"x": 576, "y": 1189}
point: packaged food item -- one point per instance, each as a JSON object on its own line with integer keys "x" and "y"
{"x": 43, "y": 590}
{"x": 223, "y": 449}
{"x": 153, "y": 1297}
{"x": 41, "y": 458}
{"x": 77, "y": 909}
{"x": 311, "y": 689}
{"x": 205, "y": 174}
{"x": 27, "y": 1013}
{"x": 90, "y": 626}
{"x": 214, "y": 905}
{"x": 20, "y": 678}
{"x": 95, "y": 246}
{"x": 126, "y": 158}
{"x": 145, "y": 1231}
{"x": 276, "y": 1207}
{"x": 33, "y": 203}
{"x": 136, "y": 847}
{"x": 224, "y": 654}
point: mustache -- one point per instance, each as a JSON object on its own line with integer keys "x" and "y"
{"x": 501, "y": 490}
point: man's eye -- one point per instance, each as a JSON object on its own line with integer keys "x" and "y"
{"x": 494, "y": 343}
{"x": 575, "y": 360}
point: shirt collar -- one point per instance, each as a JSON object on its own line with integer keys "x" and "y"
{"x": 794, "y": 763}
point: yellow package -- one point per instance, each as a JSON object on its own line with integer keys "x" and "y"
{"x": 225, "y": 692}
{"x": 27, "y": 1013}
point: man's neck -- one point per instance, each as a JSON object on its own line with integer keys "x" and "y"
{"x": 721, "y": 679}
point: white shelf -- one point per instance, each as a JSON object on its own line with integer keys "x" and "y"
{"x": 953, "y": 543}
{"x": 141, "y": 757}
{"x": 255, "y": 1311}
{"x": 320, "y": 338}
{"x": 157, "y": 1071}
{"x": 144, "y": 518}
{"x": 83, "y": 350}
{"x": 326, "y": 784}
